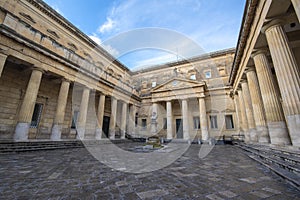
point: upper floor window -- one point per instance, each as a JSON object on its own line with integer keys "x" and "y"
{"x": 144, "y": 123}
{"x": 154, "y": 84}
{"x": 213, "y": 122}
{"x": 193, "y": 77}
{"x": 196, "y": 122}
{"x": 208, "y": 74}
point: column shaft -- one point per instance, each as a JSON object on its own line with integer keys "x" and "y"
{"x": 113, "y": 118}
{"x": 81, "y": 122}
{"x": 258, "y": 109}
{"x": 123, "y": 120}
{"x": 203, "y": 119}
{"x": 100, "y": 115}
{"x": 274, "y": 114}
{"x": 131, "y": 120}
{"x": 169, "y": 120}
{"x": 288, "y": 78}
{"x": 296, "y": 4}
{"x": 27, "y": 107}
{"x": 238, "y": 111}
{"x": 244, "y": 120}
{"x": 2, "y": 62}
{"x": 60, "y": 110}
{"x": 249, "y": 112}
{"x": 154, "y": 119}
{"x": 185, "y": 121}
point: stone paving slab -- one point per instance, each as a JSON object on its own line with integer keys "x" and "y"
{"x": 226, "y": 173}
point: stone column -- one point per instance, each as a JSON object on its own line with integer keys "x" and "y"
{"x": 185, "y": 120}
{"x": 113, "y": 118}
{"x": 123, "y": 120}
{"x": 244, "y": 120}
{"x": 258, "y": 109}
{"x": 60, "y": 110}
{"x": 238, "y": 111}
{"x": 2, "y": 62}
{"x": 169, "y": 120}
{"x": 296, "y": 4}
{"x": 27, "y": 107}
{"x": 100, "y": 115}
{"x": 83, "y": 113}
{"x": 288, "y": 77}
{"x": 249, "y": 112}
{"x": 203, "y": 119}
{"x": 132, "y": 120}
{"x": 274, "y": 115}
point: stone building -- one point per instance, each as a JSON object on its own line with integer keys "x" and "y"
{"x": 56, "y": 83}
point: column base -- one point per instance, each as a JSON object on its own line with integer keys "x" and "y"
{"x": 263, "y": 134}
{"x": 253, "y": 135}
{"x": 204, "y": 134}
{"x": 56, "y": 132}
{"x": 123, "y": 134}
{"x": 21, "y": 132}
{"x": 80, "y": 133}
{"x": 293, "y": 122}
{"x": 279, "y": 133}
{"x": 112, "y": 134}
{"x": 98, "y": 134}
{"x": 247, "y": 136}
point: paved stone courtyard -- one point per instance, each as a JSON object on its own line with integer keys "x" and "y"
{"x": 226, "y": 173}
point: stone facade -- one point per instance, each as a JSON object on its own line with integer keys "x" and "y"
{"x": 56, "y": 83}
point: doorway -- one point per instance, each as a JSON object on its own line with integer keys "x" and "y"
{"x": 179, "y": 129}
{"x": 105, "y": 126}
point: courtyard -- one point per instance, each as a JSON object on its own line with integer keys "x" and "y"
{"x": 225, "y": 173}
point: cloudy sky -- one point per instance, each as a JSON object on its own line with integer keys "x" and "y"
{"x": 146, "y": 32}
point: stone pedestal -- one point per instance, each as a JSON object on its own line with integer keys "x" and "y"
{"x": 274, "y": 115}
{"x": 83, "y": 113}
{"x": 288, "y": 77}
{"x": 60, "y": 110}
{"x": 113, "y": 118}
{"x": 153, "y": 125}
{"x": 27, "y": 107}
{"x": 100, "y": 114}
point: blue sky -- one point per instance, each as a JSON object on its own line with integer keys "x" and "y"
{"x": 116, "y": 25}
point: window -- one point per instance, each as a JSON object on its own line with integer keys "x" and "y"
{"x": 193, "y": 77}
{"x": 196, "y": 122}
{"x": 153, "y": 84}
{"x": 229, "y": 122}
{"x": 144, "y": 123}
{"x": 208, "y": 74}
{"x": 36, "y": 117}
{"x": 74, "y": 119}
{"x": 165, "y": 123}
{"x": 136, "y": 119}
{"x": 213, "y": 122}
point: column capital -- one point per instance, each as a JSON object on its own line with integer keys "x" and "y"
{"x": 65, "y": 80}
{"x": 270, "y": 24}
{"x": 249, "y": 69}
{"x": 34, "y": 68}
{"x": 259, "y": 52}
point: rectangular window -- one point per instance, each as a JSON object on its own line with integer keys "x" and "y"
{"x": 136, "y": 120}
{"x": 36, "y": 117}
{"x": 74, "y": 119}
{"x": 196, "y": 122}
{"x": 144, "y": 123}
{"x": 208, "y": 74}
{"x": 165, "y": 123}
{"x": 153, "y": 84}
{"x": 193, "y": 77}
{"x": 229, "y": 122}
{"x": 213, "y": 122}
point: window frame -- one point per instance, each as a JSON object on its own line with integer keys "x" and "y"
{"x": 196, "y": 125}
{"x": 231, "y": 122}
{"x": 213, "y": 120}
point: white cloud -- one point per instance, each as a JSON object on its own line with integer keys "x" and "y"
{"x": 111, "y": 50}
{"x": 96, "y": 39}
{"x": 107, "y": 26}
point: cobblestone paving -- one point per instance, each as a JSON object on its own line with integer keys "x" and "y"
{"x": 226, "y": 173}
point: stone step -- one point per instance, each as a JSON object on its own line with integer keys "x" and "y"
{"x": 283, "y": 162}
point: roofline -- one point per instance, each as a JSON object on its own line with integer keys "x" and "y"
{"x": 185, "y": 61}
{"x": 248, "y": 17}
{"x": 44, "y": 7}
